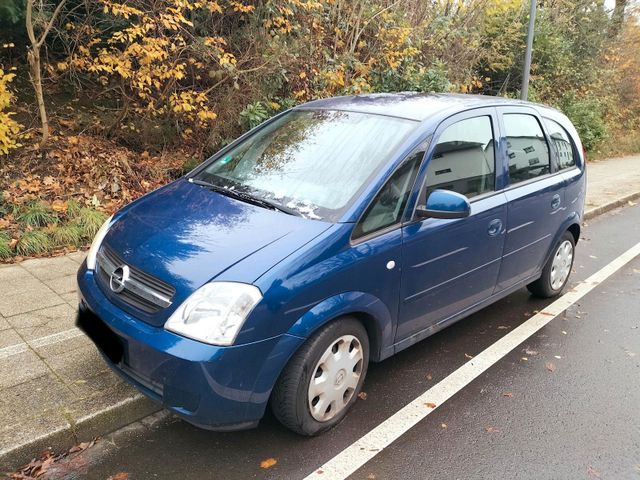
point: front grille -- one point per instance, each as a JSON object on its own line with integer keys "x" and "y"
{"x": 141, "y": 290}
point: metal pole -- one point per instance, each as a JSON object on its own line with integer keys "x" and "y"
{"x": 524, "y": 91}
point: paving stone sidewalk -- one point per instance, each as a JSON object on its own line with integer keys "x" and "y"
{"x": 55, "y": 390}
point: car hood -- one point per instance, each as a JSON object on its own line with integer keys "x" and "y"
{"x": 186, "y": 235}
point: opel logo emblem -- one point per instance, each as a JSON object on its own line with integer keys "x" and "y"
{"x": 119, "y": 279}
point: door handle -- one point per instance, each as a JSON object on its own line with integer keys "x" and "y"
{"x": 555, "y": 202}
{"x": 495, "y": 227}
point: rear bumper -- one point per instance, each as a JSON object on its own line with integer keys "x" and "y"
{"x": 217, "y": 388}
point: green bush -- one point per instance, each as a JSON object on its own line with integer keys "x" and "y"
{"x": 586, "y": 115}
{"x": 253, "y": 115}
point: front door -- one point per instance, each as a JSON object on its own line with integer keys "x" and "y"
{"x": 451, "y": 265}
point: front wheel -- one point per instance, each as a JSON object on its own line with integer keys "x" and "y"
{"x": 322, "y": 379}
{"x": 555, "y": 273}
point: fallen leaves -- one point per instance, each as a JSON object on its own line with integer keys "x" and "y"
{"x": 468, "y": 356}
{"x": 38, "y": 467}
{"x": 430, "y": 405}
{"x": 362, "y": 395}
{"x": 550, "y": 366}
{"x": 507, "y": 394}
{"x": 268, "y": 463}
{"x": 491, "y": 430}
{"x": 119, "y": 476}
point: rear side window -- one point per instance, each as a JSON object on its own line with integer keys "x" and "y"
{"x": 565, "y": 152}
{"x": 526, "y": 147}
{"x": 464, "y": 159}
{"x": 387, "y": 207}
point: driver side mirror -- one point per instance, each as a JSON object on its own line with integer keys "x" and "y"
{"x": 444, "y": 204}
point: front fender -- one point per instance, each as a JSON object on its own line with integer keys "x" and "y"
{"x": 379, "y": 320}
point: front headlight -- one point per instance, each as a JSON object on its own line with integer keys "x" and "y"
{"x": 97, "y": 241}
{"x": 215, "y": 312}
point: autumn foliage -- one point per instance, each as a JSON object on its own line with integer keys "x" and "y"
{"x": 140, "y": 91}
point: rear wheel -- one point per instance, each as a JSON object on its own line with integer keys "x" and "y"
{"x": 323, "y": 379}
{"x": 556, "y": 271}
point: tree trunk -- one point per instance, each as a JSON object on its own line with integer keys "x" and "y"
{"x": 36, "y": 79}
{"x": 35, "y": 67}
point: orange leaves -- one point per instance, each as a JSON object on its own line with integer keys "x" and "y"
{"x": 268, "y": 463}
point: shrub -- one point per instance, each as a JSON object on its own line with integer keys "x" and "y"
{"x": 586, "y": 115}
{"x": 9, "y": 128}
{"x": 253, "y": 115}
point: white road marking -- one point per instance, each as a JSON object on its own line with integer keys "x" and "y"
{"x": 40, "y": 342}
{"x": 372, "y": 443}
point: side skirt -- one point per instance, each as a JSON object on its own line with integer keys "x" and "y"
{"x": 427, "y": 332}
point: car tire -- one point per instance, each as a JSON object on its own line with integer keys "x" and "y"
{"x": 557, "y": 270}
{"x": 339, "y": 352}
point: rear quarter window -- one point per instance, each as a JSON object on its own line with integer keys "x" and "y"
{"x": 565, "y": 151}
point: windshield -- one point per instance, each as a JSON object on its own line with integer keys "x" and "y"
{"x": 312, "y": 162}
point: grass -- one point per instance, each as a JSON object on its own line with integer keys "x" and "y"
{"x": 36, "y": 214}
{"x": 68, "y": 235}
{"x": 33, "y": 243}
{"x": 5, "y": 247}
{"x": 89, "y": 220}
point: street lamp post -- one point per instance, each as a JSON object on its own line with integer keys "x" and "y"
{"x": 524, "y": 91}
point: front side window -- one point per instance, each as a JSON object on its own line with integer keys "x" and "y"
{"x": 464, "y": 159}
{"x": 561, "y": 141}
{"x": 313, "y": 162}
{"x": 526, "y": 147}
{"x": 387, "y": 207}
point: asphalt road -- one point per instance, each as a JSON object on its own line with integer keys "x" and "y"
{"x": 564, "y": 404}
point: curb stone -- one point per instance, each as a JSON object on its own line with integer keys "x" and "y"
{"x": 99, "y": 423}
{"x": 594, "y": 212}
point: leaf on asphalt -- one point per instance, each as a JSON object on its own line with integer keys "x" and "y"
{"x": 429, "y": 376}
{"x": 531, "y": 353}
{"x": 268, "y": 463}
{"x": 503, "y": 327}
{"x": 507, "y": 394}
{"x": 468, "y": 356}
{"x": 443, "y": 425}
{"x": 492, "y": 430}
{"x": 371, "y": 476}
{"x": 524, "y": 359}
{"x": 362, "y": 395}
{"x": 550, "y": 366}
{"x": 119, "y": 476}
{"x": 592, "y": 472}
{"x": 430, "y": 405}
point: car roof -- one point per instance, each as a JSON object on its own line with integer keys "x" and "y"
{"x": 410, "y": 105}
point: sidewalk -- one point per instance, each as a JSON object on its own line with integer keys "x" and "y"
{"x": 56, "y": 391}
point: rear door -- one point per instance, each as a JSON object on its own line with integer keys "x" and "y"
{"x": 449, "y": 265}
{"x": 535, "y": 195}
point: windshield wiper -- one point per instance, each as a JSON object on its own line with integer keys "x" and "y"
{"x": 246, "y": 197}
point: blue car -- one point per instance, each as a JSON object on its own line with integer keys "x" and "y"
{"x": 337, "y": 233}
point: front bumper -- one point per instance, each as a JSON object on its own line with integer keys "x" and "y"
{"x": 218, "y": 388}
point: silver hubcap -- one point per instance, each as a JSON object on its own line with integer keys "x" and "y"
{"x": 561, "y": 265}
{"x": 335, "y": 378}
